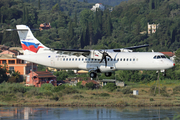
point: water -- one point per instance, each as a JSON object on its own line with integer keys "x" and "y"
{"x": 89, "y": 113}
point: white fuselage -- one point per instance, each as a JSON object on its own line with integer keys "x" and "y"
{"x": 120, "y": 61}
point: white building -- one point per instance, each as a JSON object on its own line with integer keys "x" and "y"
{"x": 152, "y": 27}
{"x": 98, "y": 6}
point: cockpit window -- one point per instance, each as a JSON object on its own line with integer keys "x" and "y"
{"x": 163, "y": 56}
{"x": 160, "y": 57}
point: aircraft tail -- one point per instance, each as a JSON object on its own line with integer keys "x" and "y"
{"x": 29, "y": 43}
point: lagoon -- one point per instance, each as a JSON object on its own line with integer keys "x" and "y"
{"x": 89, "y": 113}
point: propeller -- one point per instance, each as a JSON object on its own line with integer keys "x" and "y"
{"x": 104, "y": 55}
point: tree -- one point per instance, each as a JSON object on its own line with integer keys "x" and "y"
{"x": 90, "y": 85}
{"x": 55, "y": 8}
{"x": 177, "y": 58}
{"x": 3, "y": 75}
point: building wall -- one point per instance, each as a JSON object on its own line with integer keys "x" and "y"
{"x": 152, "y": 27}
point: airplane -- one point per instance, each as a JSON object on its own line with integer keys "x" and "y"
{"x": 95, "y": 61}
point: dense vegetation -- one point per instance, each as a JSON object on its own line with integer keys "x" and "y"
{"x": 75, "y": 26}
{"x": 106, "y": 2}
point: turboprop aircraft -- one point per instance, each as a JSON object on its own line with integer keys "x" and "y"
{"x": 95, "y": 61}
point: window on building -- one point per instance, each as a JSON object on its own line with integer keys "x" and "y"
{"x": 3, "y": 61}
{"x": 11, "y": 68}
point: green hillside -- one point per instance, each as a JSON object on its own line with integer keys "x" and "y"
{"x": 75, "y": 26}
{"x": 105, "y": 2}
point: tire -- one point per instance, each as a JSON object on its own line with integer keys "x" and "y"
{"x": 108, "y": 74}
{"x": 93, "y": 75}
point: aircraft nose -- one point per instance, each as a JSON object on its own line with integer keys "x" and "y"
{"x": 173, "y": 64}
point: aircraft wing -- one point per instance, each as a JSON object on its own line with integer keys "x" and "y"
{"x": 85, "y": 53}
{"x": 135, "y": 47}
{"x": 74, "y": 52}
{"x": 128, "y": 49}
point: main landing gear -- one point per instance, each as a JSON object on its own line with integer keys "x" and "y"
{"x": 94, "y": 74}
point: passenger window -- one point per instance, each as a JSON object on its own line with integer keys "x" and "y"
{"x": 108, "y": 59}
{"x": 79, "y": 59}
{"x": 82, "y": 59}
{"x": 127, "y": 59}
{"x": 121, "y": 59}
{"x": 69, "y": 59}
{"x": 111, "y": 59}
{"x": 92, "y": 59}
{"x": 130, "y": 59}
{"x": 63, "y": 59}
{"x": 154, "y": 57}
{"x": 66, "y": 59}
{"x": 118, "y": 59}
{"x": 158, "y": 57}
{"x": 114, "y": 59}
{"x": 76, "y": 59}
{"x": 89, "y": 59}
{"x": 72, "y": 59}
{"x": 133, "y": 59}
{"x": 124, "y": 59}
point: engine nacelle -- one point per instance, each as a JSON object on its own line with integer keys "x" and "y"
{"x": 95, "y": 54}
{"x": 106, "y": 68}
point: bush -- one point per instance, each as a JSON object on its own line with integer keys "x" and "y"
{"x": 79, "y": 85}
{"x": 177, "y": 88}
{"x": 126, "y": 90}
{"x": 110, "y": 86}
{"x": 69, "y": 90}
{"x": 104, "y": 95}
{"x": 47, "y": 86}
{"x": 59, "y": 88}
{"x": 56, "y": 98}
{"x": 77, "y": 97}
{"x": 90, "y": 85}
{"x": 33, "y": 92}
{"x": 151, "y": 99}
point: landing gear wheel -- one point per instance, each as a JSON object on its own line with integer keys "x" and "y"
{"x": 108, "y": 74}
{"x": 93, "y": 75}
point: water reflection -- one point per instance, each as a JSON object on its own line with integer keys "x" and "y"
{"x": 89, "y": 113}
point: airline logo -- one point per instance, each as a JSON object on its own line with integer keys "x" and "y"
{"x": 96, "y": 55}
{"x": 31, "y": 46}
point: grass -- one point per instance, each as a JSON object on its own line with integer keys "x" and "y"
{"x": 71, "y": 96}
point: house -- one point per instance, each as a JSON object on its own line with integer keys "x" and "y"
{"x": 37, "y": 78}
{"x": 152, "y": 28}
{"x": 98, "y": 6}
{"x": 171, "y": 55}
{"x": 8, "y": 59}
{"x": 89, "y": 81}
{"x": 3, "y": 47}
{"x": 118, "y": 83}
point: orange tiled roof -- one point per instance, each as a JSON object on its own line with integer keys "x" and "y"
{"x": 170, "y": 54}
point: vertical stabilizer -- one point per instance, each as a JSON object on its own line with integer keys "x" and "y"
{"x": 29, "y": 43}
